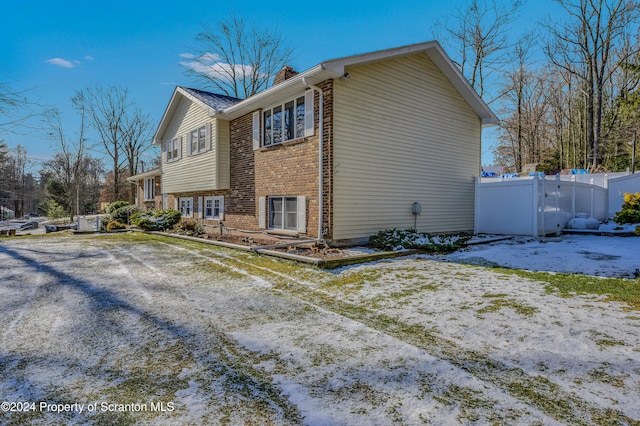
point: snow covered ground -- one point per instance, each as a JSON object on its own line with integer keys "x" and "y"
{"x": 582, "y": 254}
{"x": 142, "y": 329}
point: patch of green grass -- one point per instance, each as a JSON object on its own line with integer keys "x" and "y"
{"x": 568, "y": 285}
{"x": 469, "y": 400}
{"x": 500, "y": 303}
{"x": 354, "y": 279}
{"x": 600, "y": 375}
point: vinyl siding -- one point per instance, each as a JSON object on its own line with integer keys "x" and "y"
{"x": 220, "y": 144}
{"x": 402, "y": 133}
{"x": 205, "y": 171}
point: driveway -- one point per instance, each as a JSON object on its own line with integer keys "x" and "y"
{"x": 143, "y": 329}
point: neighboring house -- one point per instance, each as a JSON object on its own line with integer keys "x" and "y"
{"x": 6, "y": 213}
{"x": 148, "y": 190}
{"x": 396, "y": 126}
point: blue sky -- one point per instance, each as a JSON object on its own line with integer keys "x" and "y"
{"x": 52, "y": 49}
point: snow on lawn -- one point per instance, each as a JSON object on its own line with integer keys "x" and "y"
{"x": 224, "y": 336}
{"x": 581, "y": 254}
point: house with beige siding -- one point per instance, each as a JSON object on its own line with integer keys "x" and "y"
{"x": 337, "y": 152}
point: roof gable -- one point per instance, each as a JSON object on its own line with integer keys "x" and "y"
{"x": 213, "y": 103}
{"x": 336, "y": 68}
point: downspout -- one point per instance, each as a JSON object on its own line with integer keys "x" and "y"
{"x": 320, "y": 153}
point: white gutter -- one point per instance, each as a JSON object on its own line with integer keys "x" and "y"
{"x": 266, "y": 97}
{"x": 320, "y": 152}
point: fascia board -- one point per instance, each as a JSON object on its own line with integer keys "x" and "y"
{"x": 453, "y": 74}
{"x": 149, "y": 173}
{"x": 278, "y": 92}
{"x": 339, "y": 65}
{"x": 165, "y": 117}
{"x": 437, "y": 54}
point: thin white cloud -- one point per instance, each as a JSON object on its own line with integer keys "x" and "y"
{"x": 210, "y": 65}
{"x": 89, "y": 58}
{"x": 60, "y": 62}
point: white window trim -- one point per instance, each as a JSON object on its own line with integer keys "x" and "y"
{"x": 213, "y": 199}
{"x": 172, "y": 149}
{"x": 259, "y": 123}
{"x": 196, "y": 133}
{"x": 301, "y": 218}
{"x": 185, "y": 205}
{"x": 149, "y": 189}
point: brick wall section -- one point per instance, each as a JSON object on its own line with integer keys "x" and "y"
{"x": 327, "y": 159}
{"x": 287, "y": 169}
{"x": 241, "y": 207}
{"x": 291, "y": 168}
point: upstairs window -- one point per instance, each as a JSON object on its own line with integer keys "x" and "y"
{"x": 290, "y": 120}
{"x": 198, "y": 140}
{"x": 284, "y": 122}
{"x": 172, "y": 150}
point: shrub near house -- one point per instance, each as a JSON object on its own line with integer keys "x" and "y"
{"x": 158, "y": 220}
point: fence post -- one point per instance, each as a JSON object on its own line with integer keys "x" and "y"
{"x": 606, "y": 196}
{"x": 557, "y": 206}
{"x": 573, "y": 197}
{"x": 476, "y": 207}
{"x": 536, "y": 202}
{"x": 592, "y": 183}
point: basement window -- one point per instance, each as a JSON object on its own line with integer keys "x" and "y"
{"x": 283, "y": 213}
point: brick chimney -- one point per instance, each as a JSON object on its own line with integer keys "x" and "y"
{"x": 284, "y": 74}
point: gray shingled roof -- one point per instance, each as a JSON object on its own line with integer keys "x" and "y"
{"x": 213, "y": 100}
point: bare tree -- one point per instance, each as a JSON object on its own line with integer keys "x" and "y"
{"x": 477, "y": 36}
{"x": 67, "y": 164}
{"x": 106, "y": 110}
{"x": 10, "y": 102}
{"x": 237, "y": 59}
{"x": 136, "y": 134}
{"x": 585, "y": 46}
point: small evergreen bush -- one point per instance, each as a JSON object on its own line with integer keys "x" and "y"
{"x": 630, "y": 212}
{"x": 56, "y": 211}
{"x": 124, "y": 213}
{"x": 115, "y": 206}
{"x": 396, "y": 239}
{"x": 157, "y": 220}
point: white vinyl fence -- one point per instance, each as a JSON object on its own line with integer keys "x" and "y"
{"x": 541, "y": 206}
{"x": 617, "y": 188}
